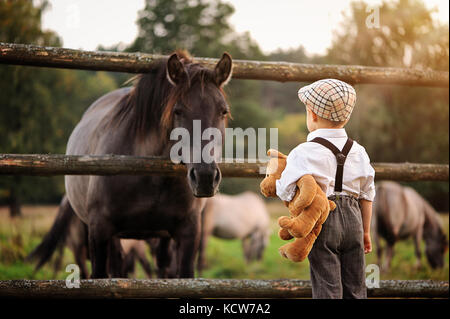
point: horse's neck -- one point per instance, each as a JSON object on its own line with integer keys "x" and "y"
{"x": 150, "y": 145}
{"x": 431, "y": 224}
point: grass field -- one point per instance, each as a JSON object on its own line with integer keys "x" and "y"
{"x": 225, "y": 259}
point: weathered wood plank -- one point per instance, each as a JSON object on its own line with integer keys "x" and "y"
{"x": 56, "y": 164}
{"x": 24, "y": 54}
{"x": 205, "y": 288}
{"x": 411, "y": 172}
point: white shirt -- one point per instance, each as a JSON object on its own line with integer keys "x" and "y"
{"x": 317, "y": 160}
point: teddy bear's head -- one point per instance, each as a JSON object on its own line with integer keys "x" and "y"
{"x": 275, "y": 167}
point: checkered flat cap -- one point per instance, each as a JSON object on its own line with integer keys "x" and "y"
{"x": 330, "y": 99}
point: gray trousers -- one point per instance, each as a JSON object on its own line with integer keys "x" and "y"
{"x": 337, "y": 263}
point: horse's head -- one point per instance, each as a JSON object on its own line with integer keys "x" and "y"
{"x": 436, "y": 247}
{"x": 197, "y": 112}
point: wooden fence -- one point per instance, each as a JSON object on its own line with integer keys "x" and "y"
{"x": 40, "y": 164}
{"x": 47, "y": 165}
{"x": 205, "y": 288}
{"x": 23, "y": 54}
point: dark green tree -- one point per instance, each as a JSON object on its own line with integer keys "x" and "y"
{"x": 195, "y": 25}
{"x": 20, "y": 22}
{"x": 38, "y": 107}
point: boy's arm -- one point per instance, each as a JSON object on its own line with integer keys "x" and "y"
{"x": 366, "y": 212}
{"x": 367, "y": 196}
{"x": 294, "y": 169}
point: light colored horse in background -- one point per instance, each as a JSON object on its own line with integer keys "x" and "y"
{"x": 400, "y": 213}
{"x": 242, "y": 216}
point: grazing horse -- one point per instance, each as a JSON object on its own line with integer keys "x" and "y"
{"x": 242, "y": 216}
{"x": 138, "y": 121}
{"x": 400, "y": 213}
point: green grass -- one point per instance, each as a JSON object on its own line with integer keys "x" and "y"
{"x": 224, "y": 257}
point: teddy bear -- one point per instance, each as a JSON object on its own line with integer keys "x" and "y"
{"x": 309, "y": 208}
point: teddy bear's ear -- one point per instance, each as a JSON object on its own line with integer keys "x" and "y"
{"x": 274, "y": 153}
{"x": 272, "y": 166}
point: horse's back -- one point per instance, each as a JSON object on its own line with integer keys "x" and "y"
{"x": 255, "y": 206}
{"x": 83, "y": 141}
{"x": 87, "y": 131}
{"x": 235, "y": 216}
{"x": 417, "y": 205}
{"x": 398, "y": 212}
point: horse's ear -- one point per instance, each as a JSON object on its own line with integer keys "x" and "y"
{"x": 175, "y": 70}
{"x": 223, "y": 70}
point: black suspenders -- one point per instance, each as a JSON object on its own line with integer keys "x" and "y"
{"x": 341, "y": 156}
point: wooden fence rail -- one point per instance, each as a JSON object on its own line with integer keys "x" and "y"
{"x": 47, "y": 165}
{"x": 205, "y": 288}
{"x": 24, "y": 54}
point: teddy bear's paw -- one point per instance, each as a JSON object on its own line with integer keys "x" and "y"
{"x": 285, "y": 222}
{"x": 296, "y": 257}
{"x": 284, "y": 234}
{"x": 332, "y": 205}
{"x": 288, "y": 251}
{"x": 298, "y": 232}
{"x": 282, "y": 251}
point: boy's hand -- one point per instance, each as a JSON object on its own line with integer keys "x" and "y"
{"x": 367, "y": 243}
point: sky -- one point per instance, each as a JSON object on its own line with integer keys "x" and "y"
{"x": 85, "y": 24}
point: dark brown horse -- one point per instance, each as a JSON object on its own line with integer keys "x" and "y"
{"x": 401, "y": 213}
{"x": 138, "y": 121}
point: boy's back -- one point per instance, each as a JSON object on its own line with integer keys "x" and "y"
{"x": 313, "y": 158}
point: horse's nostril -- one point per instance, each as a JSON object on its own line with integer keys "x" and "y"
{"x": 192, "y": 175}
{"x": 217, "y": 176}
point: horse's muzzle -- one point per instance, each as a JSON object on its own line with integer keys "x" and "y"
{"x": 204, "y": 179}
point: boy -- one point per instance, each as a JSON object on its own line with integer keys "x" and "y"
{"x": 337, "y": 263}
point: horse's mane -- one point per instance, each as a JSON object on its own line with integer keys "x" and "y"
{"x": 432, "y": 218}
{"x": 150, "y": 102}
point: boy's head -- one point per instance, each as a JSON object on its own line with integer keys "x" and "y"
{"x": 329, "y": 103}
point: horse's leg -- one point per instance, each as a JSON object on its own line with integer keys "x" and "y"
{"x": 201, "y": 260}
{"x": 379, "y": 248}
{"x": 201, "y": 257}
{"x": 173, "y": 268}
{"x": 389, "y": 255}
{"x": 187, "y": 239}
{"x": 128, "y": 265}
{"x": 246, "y": 248}
{"x": 417, "y": 240}
{"x": 80, "y": 254}
{"x": 115, "y": 259}
{"x": 80, "y": 259}
{"x": 98, "y": 249}
{"x": 163, "y": 257}
{"x": 144, "y": 262}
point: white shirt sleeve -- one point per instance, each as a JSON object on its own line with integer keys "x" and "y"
{"x": 296, "y": 167}
{"x": 368, "y": 183}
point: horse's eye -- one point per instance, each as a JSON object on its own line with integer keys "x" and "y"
{"x": 177, "y": 112}
{"x": 224, "y": 112}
